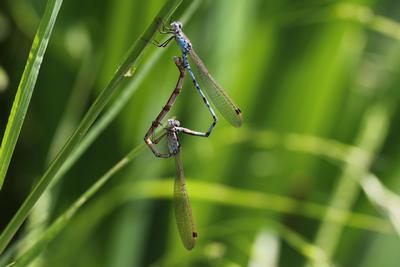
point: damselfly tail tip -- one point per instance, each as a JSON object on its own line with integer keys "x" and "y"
{"x": 190, "y": 245}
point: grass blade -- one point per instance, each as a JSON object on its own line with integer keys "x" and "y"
{"x": 27, "y": 85}
{"x": 218, "y": 194}
{"x": 228, "y": 196}
{"x": 385, "y": 201}
{"x": 128, "y": 66}
{"x": 122, "y": 100}
{"x": 66, "y": 217}
{"x": 344, "y": 196}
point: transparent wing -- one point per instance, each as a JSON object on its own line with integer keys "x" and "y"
{"x": 182, "y": 209}
{"x": 217, "y": 95}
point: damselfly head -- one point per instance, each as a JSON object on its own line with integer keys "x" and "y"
{"x": 173, "y": 123}
{"x": 177, "y": 26}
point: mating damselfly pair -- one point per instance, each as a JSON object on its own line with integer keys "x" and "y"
{"x": 221, "y": 100}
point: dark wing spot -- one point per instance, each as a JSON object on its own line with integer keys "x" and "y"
{"x": 238, "y": 111}
{"x": 194, "y": 234}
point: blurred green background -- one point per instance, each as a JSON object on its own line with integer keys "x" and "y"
{"x": 310, "y": 179}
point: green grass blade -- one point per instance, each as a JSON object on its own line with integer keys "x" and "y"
{"x": 370, "y": 138}
{"x": 67, "y": 216}
{"x": 129, "y": 64}
{"x": 208, "y": 192}
{"x": 27, "y": 85}
{"x": 219, "y": 194}
{"x": 311, "y": 252}
{"x": 385, "y": 201}
{"x": 265, "y": 247}
{"x": 111, "y": 113}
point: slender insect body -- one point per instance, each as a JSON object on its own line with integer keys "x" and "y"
{"x": 183, "y": 43}
{"x": 187, "y": 66}
{"x": 172, "y": 136}
{"x": 173, "y": 143}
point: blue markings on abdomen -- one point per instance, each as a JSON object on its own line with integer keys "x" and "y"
{"x": 183, "y": 44}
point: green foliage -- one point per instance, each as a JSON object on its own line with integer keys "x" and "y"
{"x": 26, "y": 86}
{"x": 310, "y": 179}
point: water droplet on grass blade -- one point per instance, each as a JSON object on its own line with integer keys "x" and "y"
{"x": 130, "y": 72}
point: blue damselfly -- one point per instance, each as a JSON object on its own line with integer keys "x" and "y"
{"x": 217, "y": 95}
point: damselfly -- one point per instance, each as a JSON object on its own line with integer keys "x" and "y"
{"x": 217, "y": 95}
{"x": 182, "y": 209}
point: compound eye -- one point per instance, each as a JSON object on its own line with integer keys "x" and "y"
{"x": 179, "y": 25}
